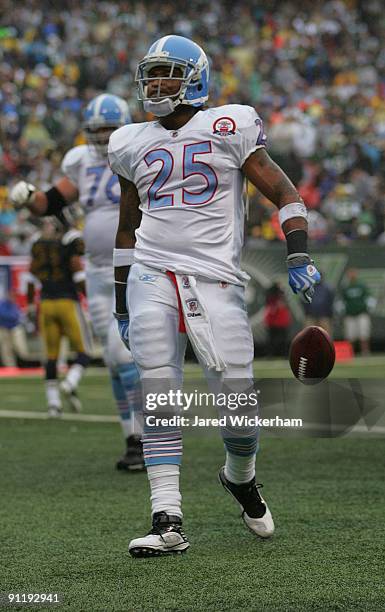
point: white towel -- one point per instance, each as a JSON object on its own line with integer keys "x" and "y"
{"x": 197, "y": 323}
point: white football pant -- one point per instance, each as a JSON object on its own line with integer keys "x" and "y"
{"x": 156, "y": 344}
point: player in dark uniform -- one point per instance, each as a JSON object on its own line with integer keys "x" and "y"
{"x": 56, "y": 262}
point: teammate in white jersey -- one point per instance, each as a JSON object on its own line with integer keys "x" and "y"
{"x": 87, "y": 178}
{"x": 181, "y": 183}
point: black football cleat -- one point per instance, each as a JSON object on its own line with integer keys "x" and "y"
{"x": 166, "y": 537}
{"x": 132, "y": 460}
{"x": 255, "y": 512}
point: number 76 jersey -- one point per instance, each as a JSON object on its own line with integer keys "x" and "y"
{"x": 99, "y": 196}
{"x": 190, "y": 187}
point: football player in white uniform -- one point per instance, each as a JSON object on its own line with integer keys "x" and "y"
{"x": 87, "y": 177}
{"x": 179, "y": 238}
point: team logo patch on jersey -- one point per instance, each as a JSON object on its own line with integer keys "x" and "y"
{"x": 148, "y": 278}
{"x": 185, "y": 282}
{"x": 193, "y": 305}
{"x": 224, "y": 126}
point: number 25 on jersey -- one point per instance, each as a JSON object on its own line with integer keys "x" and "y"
{"x": 191, "y": 166}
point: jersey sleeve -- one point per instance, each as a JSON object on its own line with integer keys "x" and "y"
{"x": 251, "y": 134}
{"x": 71, "y": 163}
{"x": 119, "y": 154}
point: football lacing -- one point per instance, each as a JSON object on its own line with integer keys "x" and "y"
{"x": 302, "y": 367}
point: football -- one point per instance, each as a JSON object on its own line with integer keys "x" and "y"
{"x": 312, "y": 355}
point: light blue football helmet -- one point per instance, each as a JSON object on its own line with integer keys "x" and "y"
{"x": 174, "y": 52}
{"x": 104, "y": 111}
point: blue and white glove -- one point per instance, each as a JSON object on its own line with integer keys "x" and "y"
{"x": 123, "y": 327}
{"x": 303, "y": 276}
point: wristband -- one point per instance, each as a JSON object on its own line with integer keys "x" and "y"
{"x": 296, "y": 242}
{"x": 55, "y": 202}
{"x": 120, "y": 316}
{"x": 123, "y": 257}
{"x": 289, "y": 211}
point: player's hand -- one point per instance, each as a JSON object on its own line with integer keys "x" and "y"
{"x": 21, "y": 194}
{"x": 303, "y": 276}
{"x": 123, "y": 327}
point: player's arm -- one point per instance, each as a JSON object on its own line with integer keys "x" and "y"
{"x": 129, "y": 220}
{"x": 76, "y": 266}
{"x": 50, "y": 202}
{"x": 78, "y": 273}
{"x": 273, "y": 183}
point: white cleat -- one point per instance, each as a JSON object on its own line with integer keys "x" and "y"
{"x": 262, "y": 527}
{"x": 55, "y": 412}
{"x": 255, "y": 512}
{"x": 71, "y": 396}
{"x": 165, "y": 538}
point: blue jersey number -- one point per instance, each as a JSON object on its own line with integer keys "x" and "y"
{"x": 98, "y": 172}
{"x": 164, "y": 156}
{"x": 190, "y": 167}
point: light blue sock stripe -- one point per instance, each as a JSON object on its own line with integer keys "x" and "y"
{"x": 163, "y": 460}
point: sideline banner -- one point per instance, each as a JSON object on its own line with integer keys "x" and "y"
{"x": 14, "y": 272}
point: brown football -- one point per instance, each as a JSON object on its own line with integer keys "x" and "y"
{"x": 312, "y": 355}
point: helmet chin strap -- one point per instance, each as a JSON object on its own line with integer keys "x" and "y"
{"x": 162, "y": 108}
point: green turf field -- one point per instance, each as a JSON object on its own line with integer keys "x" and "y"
{"x": 67, "y": 516}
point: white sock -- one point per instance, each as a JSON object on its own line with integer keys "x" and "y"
{"x": 133, "y": 425}
{"x": 164, "y": 484}
{"x": 52, "y": 393}
{"x": 74, "y": 375}
{"x": 126, "y": 427}
{"x": 239, "y": 470}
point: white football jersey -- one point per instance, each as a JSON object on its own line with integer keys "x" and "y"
{"x": 99, "y": 196}
{"x": 190, "y": 187}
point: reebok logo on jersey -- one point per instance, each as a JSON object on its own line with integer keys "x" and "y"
{"x": 148, "y": 278}
{"x": 224, "y": 126}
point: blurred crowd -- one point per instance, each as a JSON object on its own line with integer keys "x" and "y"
{"x": 315, "y": 72}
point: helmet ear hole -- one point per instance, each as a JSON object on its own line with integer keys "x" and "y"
{"x": 200, "y": 87}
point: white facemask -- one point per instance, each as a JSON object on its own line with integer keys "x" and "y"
{"x": 160, "y": 109}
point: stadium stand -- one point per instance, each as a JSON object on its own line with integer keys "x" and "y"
{"x": 315, "y": 71}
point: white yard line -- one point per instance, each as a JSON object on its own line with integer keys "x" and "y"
{"x": 43, "y": 416}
